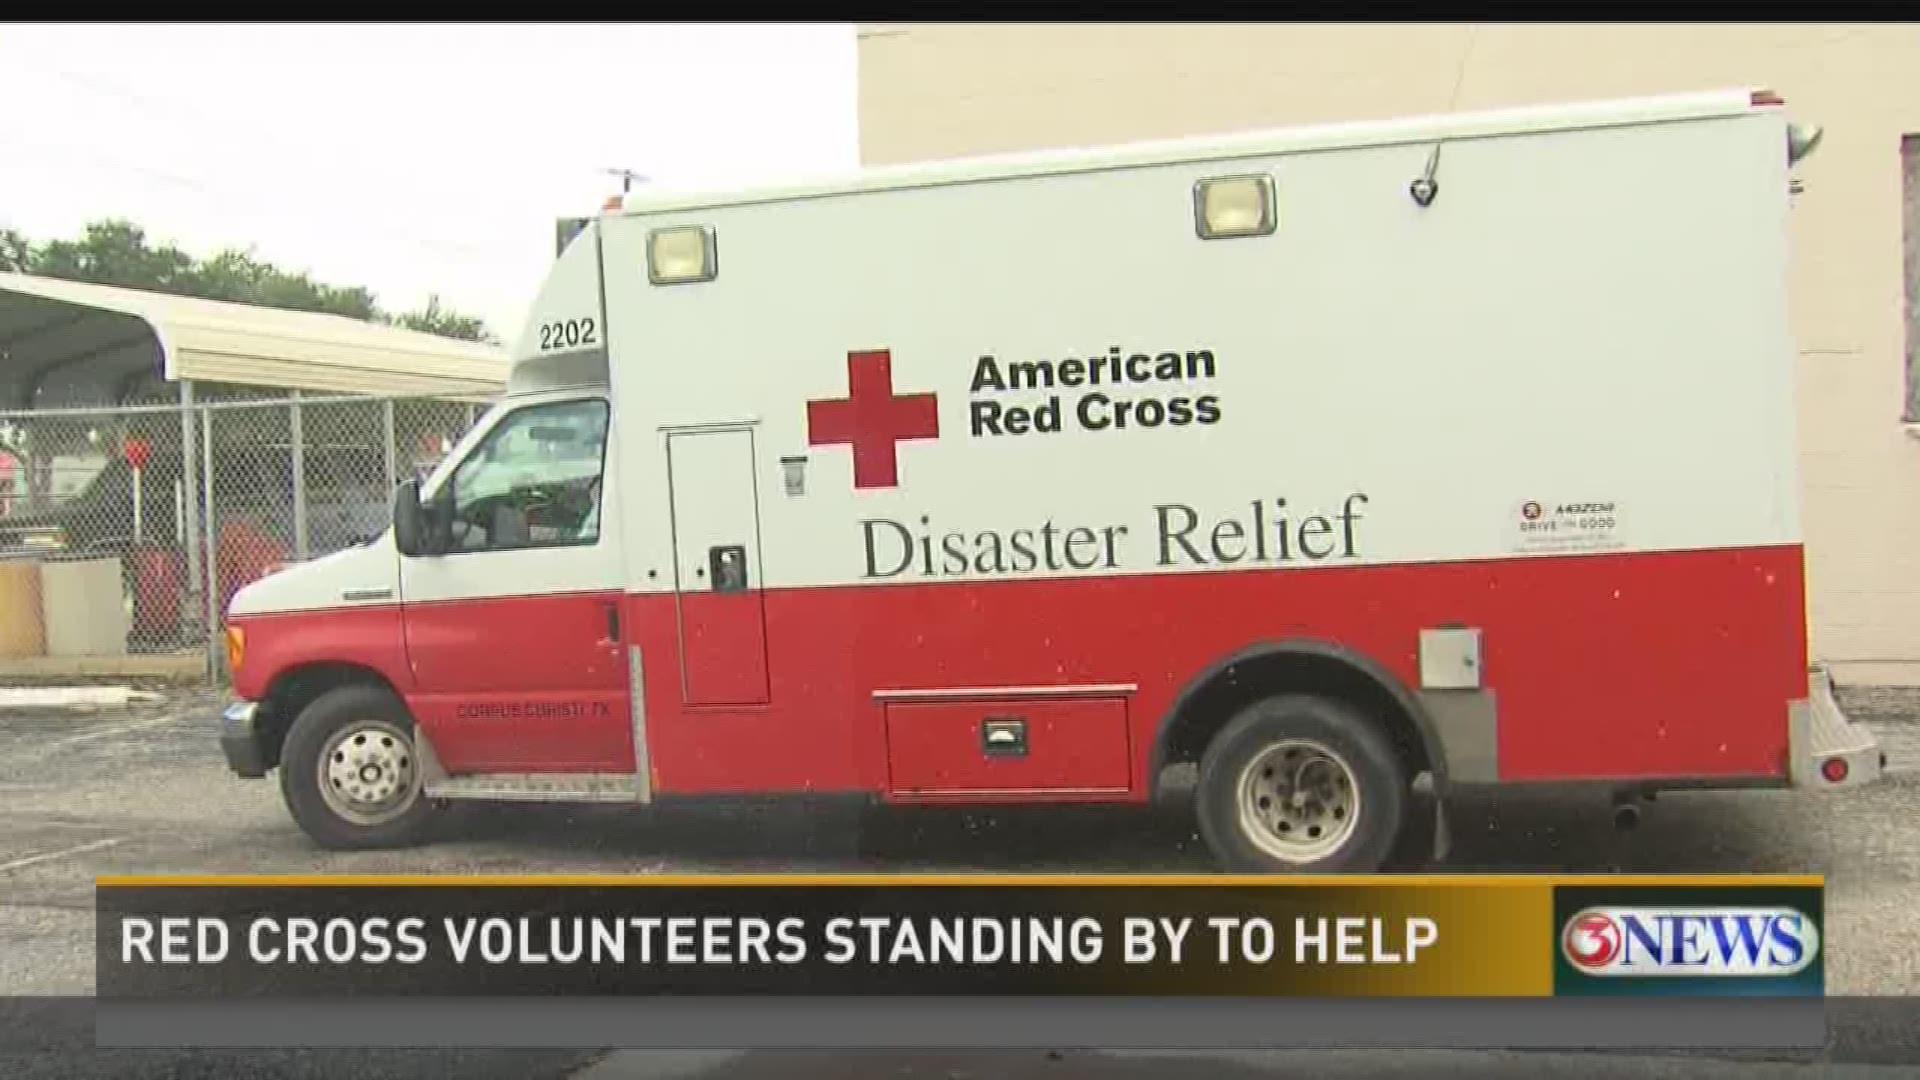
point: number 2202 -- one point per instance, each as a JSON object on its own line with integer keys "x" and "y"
{"x": 569, "y": 332}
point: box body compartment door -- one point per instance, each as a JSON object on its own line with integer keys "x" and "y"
{"x": 1007, "y": 746}
{"x": 717, "y": 572}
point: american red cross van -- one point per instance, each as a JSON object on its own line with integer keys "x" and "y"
{"x": 1318, "y": 459}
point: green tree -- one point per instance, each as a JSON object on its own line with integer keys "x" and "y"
{"x": 15, "y": 252}
{"x": 434, "y": 319}
{"x": 116, "y": 252}
{"x": 243, "y": 278}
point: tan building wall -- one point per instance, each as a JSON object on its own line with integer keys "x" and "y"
{"x": 952, "y": 90}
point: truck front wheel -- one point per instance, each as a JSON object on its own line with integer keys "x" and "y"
{"x": 349, "y": 772}
{"x": 1301, "y": 784}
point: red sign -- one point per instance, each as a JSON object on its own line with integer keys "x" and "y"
{"x": 137, "y": 452}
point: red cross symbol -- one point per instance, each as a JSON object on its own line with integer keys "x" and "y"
{"x": 872, "y": 419}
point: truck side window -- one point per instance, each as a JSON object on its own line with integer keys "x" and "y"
{"x": 534, "y": 481}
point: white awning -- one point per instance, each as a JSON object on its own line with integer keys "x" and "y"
{"x": 73, "y": 343}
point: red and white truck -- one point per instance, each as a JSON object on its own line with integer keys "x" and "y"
{"x": 1319, "y": 459}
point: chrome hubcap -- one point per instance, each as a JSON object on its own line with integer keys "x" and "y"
{"x": 367, "y": 772}
{"x": 1298, "y": 801}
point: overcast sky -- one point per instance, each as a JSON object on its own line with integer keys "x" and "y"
{"x": 409, "y": 159}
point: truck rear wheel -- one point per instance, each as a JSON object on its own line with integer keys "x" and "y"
{"x": 349, "y": 772}
{"x": 1301, "y": 784}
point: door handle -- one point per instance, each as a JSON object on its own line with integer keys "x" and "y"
{"x": 1003, "y": 736}
{"x": 613, "y": 621}
{"x": 728, "y": 563}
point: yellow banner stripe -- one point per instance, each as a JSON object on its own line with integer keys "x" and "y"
{"x": 1443, "y": 881}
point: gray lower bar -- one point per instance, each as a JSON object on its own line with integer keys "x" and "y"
{"x": 692, "y": 1023}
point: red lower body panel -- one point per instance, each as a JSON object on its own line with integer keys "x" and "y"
{"x": 1613, "y": 666}
{"x": 521, "y": 683}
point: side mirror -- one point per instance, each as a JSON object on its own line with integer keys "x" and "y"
{"x": 409, "y": 521}
{"x": 1801, "y": 139}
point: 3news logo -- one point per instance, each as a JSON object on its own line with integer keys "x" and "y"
{"x": 1689, "y": 940}
{"x": 1613, "y": 942}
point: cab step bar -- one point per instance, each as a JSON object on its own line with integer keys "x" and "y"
{"x": 537, "y": 787}
{"x": 524, "y": 787}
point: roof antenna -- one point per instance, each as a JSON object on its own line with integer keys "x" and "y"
{"x": 627, "y": 178}
{"x": 1426, "y": 187}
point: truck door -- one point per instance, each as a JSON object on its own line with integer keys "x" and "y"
{"x": 716, "y": 545}
{"x": 514, "y": 634}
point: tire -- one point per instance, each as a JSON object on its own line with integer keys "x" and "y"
{"x": 1352, "y": 785}
{"x": 379, "y": 805}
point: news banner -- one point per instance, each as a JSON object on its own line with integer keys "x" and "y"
{"x": 902, "y": 961}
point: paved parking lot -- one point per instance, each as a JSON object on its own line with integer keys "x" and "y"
{"x": 142, "y": 789}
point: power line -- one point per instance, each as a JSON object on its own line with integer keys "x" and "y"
{"x": 439, "y": 245}
{"x": 262, "y": 212}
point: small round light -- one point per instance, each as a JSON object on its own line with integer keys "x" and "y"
{"x": 1834, "y": 769}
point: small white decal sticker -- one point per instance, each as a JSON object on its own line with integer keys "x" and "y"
{"x": 1547, "y": 525}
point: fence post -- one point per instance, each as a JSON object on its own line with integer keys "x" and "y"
{"x": 188, "y": 524}
{"x": 215, "y": 665}
{"x": 297, "y": 436}
{"x": 386, "y": 424}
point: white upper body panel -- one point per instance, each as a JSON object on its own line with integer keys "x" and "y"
{"x": 360, "y": 576}
{"x": 1581, "y": 345}
{"x": 1591, "y": 317}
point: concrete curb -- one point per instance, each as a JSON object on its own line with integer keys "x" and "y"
{"x": 74, "y": 697}
{"x": 172, "y": 669}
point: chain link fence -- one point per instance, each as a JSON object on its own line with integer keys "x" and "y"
{"x": 128, "y": 530}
